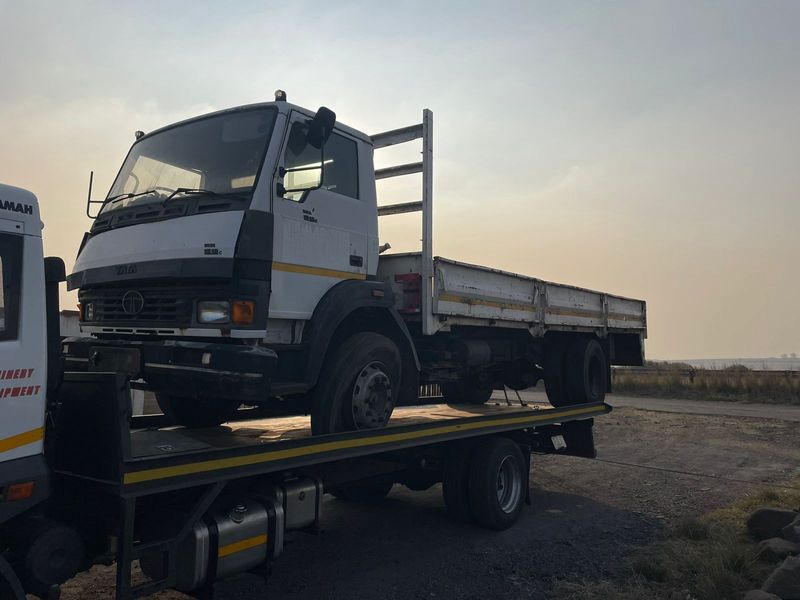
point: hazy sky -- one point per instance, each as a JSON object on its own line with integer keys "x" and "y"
{"x": 649, "y": 149}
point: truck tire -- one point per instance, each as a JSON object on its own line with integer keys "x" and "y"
{"x": 358, "y": 385}
{"x": 10, "y": 585}
{"x": 455, "y": 481}
{"x": 555, "y": 382}
{"x": 586, "y": 372}
{"x": 196, "y": 412}
{"x": 497, "y": 481}
{"x": 467, "y": 390}
{"x": 373, "y": 489}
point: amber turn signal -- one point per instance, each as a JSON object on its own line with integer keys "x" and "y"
{"x": 19, "y": 491}
{"x": 243, "y": 312}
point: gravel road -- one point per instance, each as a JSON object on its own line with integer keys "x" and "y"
{"x": 586, "y": 516}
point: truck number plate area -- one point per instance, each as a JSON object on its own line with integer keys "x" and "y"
{"x": 558, "y": 442}
{"x": 109, "y": 360}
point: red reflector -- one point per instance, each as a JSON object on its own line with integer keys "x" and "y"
{"x": 20, "y": 491}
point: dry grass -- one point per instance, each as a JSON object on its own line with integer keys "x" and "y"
{"x": 733, "y": 383}
{"x": 711, "y": 558}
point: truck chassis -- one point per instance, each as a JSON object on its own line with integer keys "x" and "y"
{"x": 151, "y": 488}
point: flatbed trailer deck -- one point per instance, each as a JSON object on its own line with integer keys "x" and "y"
{"x": 147, "y": 468}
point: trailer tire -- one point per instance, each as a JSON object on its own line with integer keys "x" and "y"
{"x": 586, "y": 372}
{"x": 497, "y": 480}
{"x": 196, "y": 412}
{"x": 373, "y": 489}
{"x": 341, "y": 402}
{"x": 467, "y": 390}
{"x": 455, "y": 481}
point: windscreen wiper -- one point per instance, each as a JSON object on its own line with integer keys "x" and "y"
{"x": 201, "y": 192}
{"x": 125, "y": 196}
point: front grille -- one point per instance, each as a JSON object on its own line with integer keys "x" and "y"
{"x": 167, "y": 306}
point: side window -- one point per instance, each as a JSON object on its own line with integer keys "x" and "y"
{"x": 10, "y": 279}
{"x": 339, "y": 172}
{"x": 341, "y": 166}
{"x": 302, "y": 163}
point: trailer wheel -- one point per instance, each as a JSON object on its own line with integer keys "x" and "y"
{"x": 497, "y": 479}
{"x": 586, "y": 372}
{"x": 468, "y": 389}
{"x": 455, "y": 481}
{"x": 373, "y": 489}
{"x": 196, "y": 412}
{"x": 358, "y": 386}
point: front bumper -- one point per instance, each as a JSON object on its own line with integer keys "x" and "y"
{"x": 180, "y": 367}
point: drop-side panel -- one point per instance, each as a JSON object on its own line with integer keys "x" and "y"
{"x": 471, "y": 294}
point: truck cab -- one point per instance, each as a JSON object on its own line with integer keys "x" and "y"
{"x": 215, "y": 246}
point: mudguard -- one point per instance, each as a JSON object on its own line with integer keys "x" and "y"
{"x": 336, "y": 305}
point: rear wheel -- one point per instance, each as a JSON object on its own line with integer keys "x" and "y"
{"x": 196, "y": 412}
{"x": 358, "y": 386}
{"x": 587, "y": 372}
{"x": 497, "y": 480}
{"x": 555, "y": 383}
{"x": 575, "y": 371}
{"x": 468, "y": 389}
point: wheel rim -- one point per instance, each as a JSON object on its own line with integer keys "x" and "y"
{"x": 509, "y": 484}
{"x": 372, "y": 397}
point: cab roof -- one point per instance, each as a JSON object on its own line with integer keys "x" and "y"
{"x": 19, "y": 206}
{"x": 283, "y": 108}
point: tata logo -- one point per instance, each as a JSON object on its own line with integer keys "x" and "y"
{"x": 19, "y": 207}
{"x": 126, "y": 269}
{"x": 132, "y": 302}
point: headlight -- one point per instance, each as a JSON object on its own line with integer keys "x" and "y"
{"x": 213, "y": 311}
{"x": 88, "y": 312}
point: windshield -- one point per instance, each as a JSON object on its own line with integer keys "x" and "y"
{"x": 218, "y": 155}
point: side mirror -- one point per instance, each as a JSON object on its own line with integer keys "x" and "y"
{"x": 321, "y": 126}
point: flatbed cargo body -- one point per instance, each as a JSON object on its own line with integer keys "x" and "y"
{"x": 155, "y": 459}
{"x": 473, "y": 295}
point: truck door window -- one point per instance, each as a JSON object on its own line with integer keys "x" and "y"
{"x": 341, "y": 166}
{"x": 10, "y": 277}
{"x": 339, "y": 173}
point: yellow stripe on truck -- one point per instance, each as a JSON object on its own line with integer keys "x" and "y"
{"x": 319, "y": 271}
{"x": 259, "y": 540}
{"x": 21, "y": 439}
{"x": 264, "y": 457}
{"x": 448, "y": 297}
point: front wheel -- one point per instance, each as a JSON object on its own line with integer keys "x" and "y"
{"x": 358, "y": 386}
{"x": 196, "y": 412}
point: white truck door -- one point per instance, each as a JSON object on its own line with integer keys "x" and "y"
{"x": 321, "y": 236}
{"x": 22, "y": 342}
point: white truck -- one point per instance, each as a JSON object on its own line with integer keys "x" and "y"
{"x": 84, "y": 482}
{"x": 239, "y": 253}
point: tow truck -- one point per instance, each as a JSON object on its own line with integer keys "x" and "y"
{"x": 83, "y": 481}
{"x": 238, "y": 254}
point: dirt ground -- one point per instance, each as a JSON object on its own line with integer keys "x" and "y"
{"x": 586, "y": 517}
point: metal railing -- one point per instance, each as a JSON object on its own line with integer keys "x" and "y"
{"x": 403, "y": 135}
